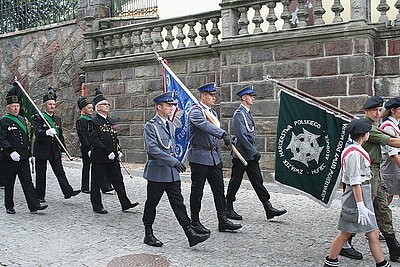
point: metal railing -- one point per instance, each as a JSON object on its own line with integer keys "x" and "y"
{"x": 132, "y": 8}
{"x": 18, "y": 15}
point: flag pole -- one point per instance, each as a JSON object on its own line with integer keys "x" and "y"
{"x": 41, "y": 115}
{"x": 206, "y": 112}
{"x": 321, "y": 102}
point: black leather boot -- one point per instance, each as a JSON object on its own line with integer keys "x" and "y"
{"x": 197, "y": 226}
{"x": 225, "y": 225}
{"x": 231, "y": 213}
{"x": 150, "y": 239}
{"x": 393, "y": 246}
{"x": 193, "y": 237}
{"x": 271, "y": 211}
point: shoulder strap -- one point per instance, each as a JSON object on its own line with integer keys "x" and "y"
{"x": 17, "y": 121}
{"x": 353, "y": 148}
{"x": 51, "y": 122}
{"x": 86, "y": 117}
{"x": 389, "y": 124}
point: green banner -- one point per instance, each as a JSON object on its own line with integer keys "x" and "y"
{"x": 309, "y": 142}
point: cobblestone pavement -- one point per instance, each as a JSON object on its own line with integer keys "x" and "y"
{"x": 69, "y": 233}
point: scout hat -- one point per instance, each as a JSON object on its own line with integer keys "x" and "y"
{"x": 359, "y": 126}
{"x": 392, "y": 103}
{"x": 373, "y": 102}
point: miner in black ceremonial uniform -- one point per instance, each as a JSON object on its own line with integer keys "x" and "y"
{"x": 82, "y": 129}
{"x": 14, "y": 140}
{"x": 105, "y": 156}
{"x": 46, "y": 148}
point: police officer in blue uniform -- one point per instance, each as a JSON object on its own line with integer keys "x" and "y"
{"x": 244, "y": 131}
{"x": 47, "y": 149}
{"x": 14, "y": 140}
{"x": 162, "y": 172}
{"x": 82, "y": 129}
{"x": 204, "y": 156}
{"x": 105, "y": 156}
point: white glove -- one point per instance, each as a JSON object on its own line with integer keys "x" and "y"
{"x": 363, "y": 214}
{"x": 111, "y": 156}
{"x": 89, "y": 152}
{"x": 120, "y": 154}
{"x": 15, "y": 156}
{"x": 51, "y": 132}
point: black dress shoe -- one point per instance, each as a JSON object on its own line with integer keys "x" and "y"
{"x": 10, "y": 211}
{"x": 108, "y": 190}
{"x": 86, "y": 191}
{"x": 231, "y": 214}
{"x": 199, "y": 228}
{"x": 351, "y": 253}
{"x": 72, "y": 193}
{"x": 100, "y": 211}
{"x": 151, "y": 240}
{"x": 42, "y": 207}
{"x": 132, "y": 205}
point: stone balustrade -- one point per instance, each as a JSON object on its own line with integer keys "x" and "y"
{"x": 236, "y": 18}
{"x": 188, "y": 31}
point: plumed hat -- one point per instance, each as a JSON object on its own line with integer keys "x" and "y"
{"x": 51, "y": 95}
{"x": 14, "y": 95}
{"x": 98, "y": 96}
{"x": 82, "y": 102}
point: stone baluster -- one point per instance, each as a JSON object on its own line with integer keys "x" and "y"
{"x": 192, "y": 34}
{"x": 127, "y": 43}
{"x": 117, "y": 48}
{"x": 318, "y": 12}
{"x": 337, "y": 8}
{"x": 243, "y": 22}
{"x": 147, "y": 40}
{"x": 302, "y": 14}
{"x": 169, "y": 37}
{"x": 383, "y": 7}
{"x": 100, "y": 47}
{"x": 359, "y": 10}
{"x": 108, "y": 47}
{"x": 203, "y": 32}
{"x": 215, "y": 31}
{"x": 257, "y": 19}
{"x": 137, "y": 41}
{"x": 90, "y": 44}
{"x": 397, "y": 5}
{"x": 180, "y": 36}
{"x": 158, "y": 39}
{"x": 271, "y": 17}
{"x": 229, "y": 18}
{"x": 286, "y": 16}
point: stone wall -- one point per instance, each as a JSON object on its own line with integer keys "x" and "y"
{"x": 45, "y": 57}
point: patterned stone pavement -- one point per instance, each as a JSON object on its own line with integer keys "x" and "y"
{"x": 69, "y": 233}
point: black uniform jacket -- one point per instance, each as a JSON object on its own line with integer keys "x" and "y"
{"x": 103, "y": 134}
{"x": 14, "y": 138}
{"x": 46, "y": 147}
{"x": 82, "y": 129}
